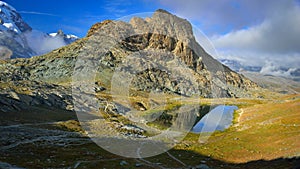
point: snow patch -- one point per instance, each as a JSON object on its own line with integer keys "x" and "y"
{"x": 53, "y": 34}
{"x": 5, "y": 4}
{"x": 72, "y": 37}
{"x": 11, "y": 26}
{"x": 69, "y": 36}
{"x": 8, "y": 25}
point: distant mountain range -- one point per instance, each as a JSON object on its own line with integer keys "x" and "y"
{"x": 237, "y": 66}
{"x": 19, "y": 40}
{"x": 269, "y": 69}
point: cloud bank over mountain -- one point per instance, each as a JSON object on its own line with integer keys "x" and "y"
{"x": 275, "y": 39}
{"x": 41, "y": 43}
{"x": 255, "y": 32}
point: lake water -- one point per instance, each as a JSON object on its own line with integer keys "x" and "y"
{"x": 219, "y": 118}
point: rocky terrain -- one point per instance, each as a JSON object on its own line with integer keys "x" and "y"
{"x": 110, "y": 75}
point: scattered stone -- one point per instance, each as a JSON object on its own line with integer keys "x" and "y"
{"x": 14, "y": 95}
{"x": 122, "y": 163}
{"x": 202, "y": 166}
{"x": 99, "y": 89}
{"x": 236, "y": 138}
{"x": 138, "y": 164}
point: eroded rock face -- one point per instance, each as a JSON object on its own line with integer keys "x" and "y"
{"x": 96, "y": 27}
{"x": 156, "y": 41}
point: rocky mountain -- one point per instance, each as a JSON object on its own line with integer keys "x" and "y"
{"x": 156, "y": 54}
{"x": 19, "y": 40}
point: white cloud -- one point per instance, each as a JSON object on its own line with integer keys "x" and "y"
{"x": 37, "y": 13}
{"x": 116, "y": 7}
{"x": 226, "y": 14}
{"x": 42, "y": 43}
{"x": 276, "y": 39}
{"x": 270, "y": 69}
{"x": 252, "y": 31}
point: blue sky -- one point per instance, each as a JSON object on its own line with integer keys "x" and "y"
{"x": 76, "y": 16}
{"x": 255, "y": 32}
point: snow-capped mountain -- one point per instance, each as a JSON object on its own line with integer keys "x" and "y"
{"x": 12, "y": 33}
{"x": 19, "y": 40}
{"x": 68, "y": 38}
{"x": 11, "y": 20}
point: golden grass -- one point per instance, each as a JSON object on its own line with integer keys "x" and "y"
{"x": 268, "y": 130}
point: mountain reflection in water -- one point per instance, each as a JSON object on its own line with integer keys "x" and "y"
{"x": 219, "y": 118}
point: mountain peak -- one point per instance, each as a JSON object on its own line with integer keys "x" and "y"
{"x": 97, "y": 26}
{"x": 60, "y": 33}
{"x": 162, "y": 11}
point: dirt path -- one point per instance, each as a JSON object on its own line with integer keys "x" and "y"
{"x": 240, "y": 115}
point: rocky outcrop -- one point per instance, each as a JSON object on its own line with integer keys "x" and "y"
{"x": 20, "y": 95}
{"x": 96, "y": 27}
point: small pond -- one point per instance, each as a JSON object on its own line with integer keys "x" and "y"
{"x": 219, "y": 118}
